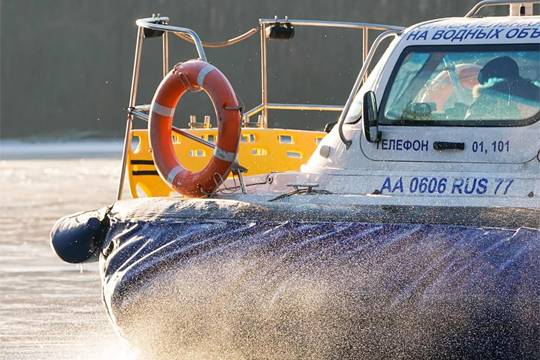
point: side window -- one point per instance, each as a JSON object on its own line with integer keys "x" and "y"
{"x": 478, "y": 85}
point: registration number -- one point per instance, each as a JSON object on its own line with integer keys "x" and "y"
{"x": 446, "y": 185}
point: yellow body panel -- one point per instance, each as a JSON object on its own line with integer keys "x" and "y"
{"x": 261, "y": 151}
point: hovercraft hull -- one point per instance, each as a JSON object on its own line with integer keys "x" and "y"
{"x": 231, "y": 282}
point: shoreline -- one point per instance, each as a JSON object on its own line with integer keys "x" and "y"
{"x": 49, "y": 150}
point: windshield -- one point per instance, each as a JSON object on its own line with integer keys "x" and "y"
{"x": 479, "y": 85}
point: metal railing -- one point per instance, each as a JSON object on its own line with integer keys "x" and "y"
{"x": 491, "y": 3}
{"x": 160, "y": 26}
{"x": 264, "y": 23}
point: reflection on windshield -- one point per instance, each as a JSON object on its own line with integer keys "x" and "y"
{"x": 449, "y": 84}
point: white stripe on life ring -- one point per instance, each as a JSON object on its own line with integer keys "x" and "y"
{"x": 224, "y": 155}
{"x": 172, "y": 174}
{"x": 202, "y": 74}
{"x": 161, "y": 110}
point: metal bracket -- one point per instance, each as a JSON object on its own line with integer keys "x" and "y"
{"x": 301, "y": 189}
{"x": 234, "y": 108}
{"x": 307, "y": 188}
{"x": 280, "y": 30}
{"x": 238, "y": 170}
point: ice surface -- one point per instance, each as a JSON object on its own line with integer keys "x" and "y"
{"x": 48, "y": 309}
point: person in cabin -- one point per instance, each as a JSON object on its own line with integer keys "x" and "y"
{"x": 502, "y": 93}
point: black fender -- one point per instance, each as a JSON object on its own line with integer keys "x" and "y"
{"x": 79, "y": 237}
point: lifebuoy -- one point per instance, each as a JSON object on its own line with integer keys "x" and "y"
{"x": 442, "y": 88}
{"x": 194, "y": 75}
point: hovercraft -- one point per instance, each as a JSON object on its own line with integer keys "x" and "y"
{"x": 409, "y": 229}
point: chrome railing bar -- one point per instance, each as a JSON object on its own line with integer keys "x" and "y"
{"x": 150, "y": 23}
{"x": 304, "y": 107}
{"x": 264, "y": 76}
{"x": 487, "y": 3}
{"x": 144, "y": 107}
{"x": 365, "y": 47}
{"x": 272, "y": 106}
{"x": 299, "y": 107}
{"x": 359, "y": 81}
{"x": 222, "y": 44}
{"x": 140, "y": 111}
{"x": 165, "y": 53}
{"x": 257, "y": 109}
{"x": 132, "y": 101}
{"x": 144, "y": 117}
{"x": 334, "y": 24}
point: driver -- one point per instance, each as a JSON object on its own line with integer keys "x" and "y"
{"x": 499, "y": 91}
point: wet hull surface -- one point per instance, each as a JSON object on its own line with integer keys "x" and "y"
{"x": 266, "y": 289}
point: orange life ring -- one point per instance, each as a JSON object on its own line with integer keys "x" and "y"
{"x": 442, "y": 88}
{"x": 194, "y": 75}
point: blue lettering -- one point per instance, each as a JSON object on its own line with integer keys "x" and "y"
{"x": 523, "y": 33}
{"x": 438, "y": 34}
{"x": 512, "y": 33}
{"x": 407, "y": 145}
{"x": 441, "y": 188}
{"x": 403, "y": 145}
{"x": 459, "y": 35}
{"x": 398, "y": 185}
{"x": 481, "y": 34}
{"x": 432, "y": 186}
{"x": 456, "y": 187}
{"x": 413, "y": 35}
{"x": 449, "y": 34}
{"x": 494, "y": 34}
{"x": 386, "y": 185}
{"x": 470, "y": 189}
{"x": 471, "y": 34}
{"x": 508, "y": 186}
{"x": 422, "y": 36}
{"x": 482, "y": 186}
{"x": 413, "y": 186}
{"x": 499, "y": 183}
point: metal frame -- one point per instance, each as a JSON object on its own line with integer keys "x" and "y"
{"x": 489, "y": 3}
{"x": 264, "y": 23}
{"x": 132, "y": 99}
{"x": 161, "y": 23}
{"x": 360, "y": 80}
{"x": 155, "y": 23}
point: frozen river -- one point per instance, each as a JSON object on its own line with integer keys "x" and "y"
{"x": 49, "y": 309}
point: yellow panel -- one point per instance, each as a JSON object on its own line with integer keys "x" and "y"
{"x": 261, "y": 151}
